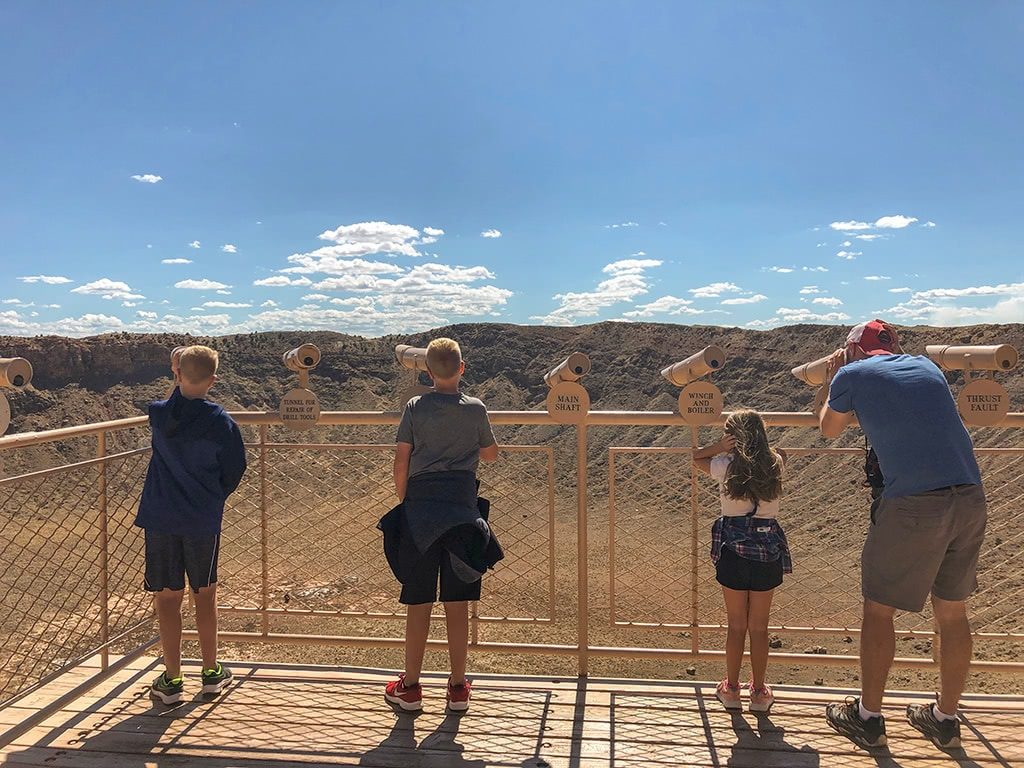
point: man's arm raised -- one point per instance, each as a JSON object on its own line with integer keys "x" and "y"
{"x": 831, "y": 422}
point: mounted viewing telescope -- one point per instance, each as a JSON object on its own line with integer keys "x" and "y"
{"x": 813, "y": 373}
{"x": 692, "y": 368}
{"x": 303, "y": 358}
{"x": 992, "y": 357}
{"x": 572, "y": 368}
{"x": 413, "y": 358}
{"x": 15, "y": 372}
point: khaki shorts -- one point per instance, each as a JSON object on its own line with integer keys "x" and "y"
{"x": 921, "y": 544}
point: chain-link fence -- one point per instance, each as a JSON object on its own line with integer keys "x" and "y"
{"x": 301, "y": 556}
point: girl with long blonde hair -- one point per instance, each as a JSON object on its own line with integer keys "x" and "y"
{"x": 748, "y": 546}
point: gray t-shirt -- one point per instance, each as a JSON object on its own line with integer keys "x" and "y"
{"x": 446, "y": 431}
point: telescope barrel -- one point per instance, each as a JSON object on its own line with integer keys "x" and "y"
{"x": 692, "y": 368}
{"x": 572, "y": 368}
{"x": 15, "y": 372}
{"x": 813, "y": 373}
{"x": 992, "y": 357}
{"x": 302, "y": 358}
{"x": 413, "y": 358}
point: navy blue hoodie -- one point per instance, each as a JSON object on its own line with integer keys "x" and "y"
{"x": 198, "y": 461}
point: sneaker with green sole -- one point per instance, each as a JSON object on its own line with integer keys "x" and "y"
{"x": 216, "y": 680}
{"x": 166, "y": 689}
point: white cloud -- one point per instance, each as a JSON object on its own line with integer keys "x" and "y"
{"x": 828, "y": 301}
{"x": 849, "y": 226}
{"x": 279, "y": 281}
{"x": 48, "y": 279}
{"x": 623, "y": 225}
{"x": 432, "y": 231}
{"x": 820, "y": 245}
{"x": 149, "y": 245}
{"x": 900, "y": 290}
{"x": 849, "y": 255}
{"x": 877, "y": 277}
{"x": 195, "y": 244}
{"x": 491, "y": 233}
{"x": 226, "y": 305}
{"x": 229, "y": 248}
{"x": 316, "y": 297}
{"x": 129, "y": 303}
{"x": 714, "y": 290}
{"x": 222, "y": 292}
{"x": 814, "y": 269}
{"x": 269, "y": 303}
{"x": 638, "y": 253}
{"x": 148, "y": 178}
{"x": 758, "y": 297}
{"x": 869, "y": 237}
{"x": 200, "y": 285}
{"x": 804, "y": 315}
{"x": 780, "y": 270}
{"x": 1003, "y": 289}
{"x": 369, "y": 237}
{"x": 628, "y": 281}
{"x": 666, "y": 305}
{"x": 895, "y": 222}
{"x": 810, "y": 290}
{"x": 176, "y": 261}
{"x": 630, "y": 266}
{"x": 928, "y": 224}
{"x": 845, "y": 244}
{"x": 146, "y": 315}
{"x": 108, "y": 289}
{"x": 328, "y": 261}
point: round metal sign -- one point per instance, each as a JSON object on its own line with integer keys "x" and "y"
{"x": 5, "y": 414}
{"x": 568, "y": 403}
{"x": 700, "y": 403}
{"x": 300, "y": 409}
{"x": 983, "y": 403}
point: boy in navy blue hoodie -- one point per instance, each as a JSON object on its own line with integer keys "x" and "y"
{"x": 198, "y": 461}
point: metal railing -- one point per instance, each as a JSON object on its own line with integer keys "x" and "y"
{"x": 301, "y": 558}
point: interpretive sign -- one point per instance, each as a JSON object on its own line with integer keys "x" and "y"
{"x": 5, "y": 414}
{"x": 300, "y": 409}
{"x": 568, "y": 403}
{"x": 700, "y": 403}
{"x": 983, "y": 403}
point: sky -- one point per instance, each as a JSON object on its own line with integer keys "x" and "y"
{"x": 378, "y": 168}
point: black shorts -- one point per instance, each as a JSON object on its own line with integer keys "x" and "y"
{"x": 421, "y": 587}
{"x": 169, "y": 558}
{"x": 735, "y": 572}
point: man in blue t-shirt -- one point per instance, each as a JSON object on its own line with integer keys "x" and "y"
{"x": 926, "y": 529}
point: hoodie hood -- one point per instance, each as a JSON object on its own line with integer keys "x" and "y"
{"x": 180, "y": 417}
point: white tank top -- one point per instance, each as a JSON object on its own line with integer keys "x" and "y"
{"x": 738, "y": 507}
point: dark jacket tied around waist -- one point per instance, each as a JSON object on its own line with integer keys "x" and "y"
{"x": 444, "y": 507}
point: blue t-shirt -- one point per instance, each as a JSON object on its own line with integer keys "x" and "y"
{"x": 907, "y": 412}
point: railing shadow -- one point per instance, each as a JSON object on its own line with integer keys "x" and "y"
{"x": 767, "y": 736}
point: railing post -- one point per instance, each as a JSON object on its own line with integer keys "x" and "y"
{"x": 611, "y": 537}
{"x": 694, "y": 531}
{"x": 583, "y": 590}
{"x": 264, "y": 536}
{"x": 474, "y": 624}
{"x": 104, "y": 599}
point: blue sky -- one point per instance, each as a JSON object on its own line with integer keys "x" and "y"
{"x": 220, "y": 167}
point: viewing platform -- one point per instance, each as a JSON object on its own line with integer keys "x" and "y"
{"x": 277, "y": 715}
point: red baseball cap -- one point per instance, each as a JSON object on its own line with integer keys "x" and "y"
{"x": 874, "y": 338}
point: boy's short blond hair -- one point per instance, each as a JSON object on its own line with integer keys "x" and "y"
{"x": 444, "y": 358}
{"x": 197, "y": 363}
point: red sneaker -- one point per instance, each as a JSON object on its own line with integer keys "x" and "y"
{"x": 458, "y": 696}
{"x": 409, "y": 698}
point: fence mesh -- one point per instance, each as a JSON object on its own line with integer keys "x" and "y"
{"x": 825, "y": 524}
{"x": 300, "y": 537}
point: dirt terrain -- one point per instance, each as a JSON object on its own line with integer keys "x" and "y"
{"x": 323, "y": 551}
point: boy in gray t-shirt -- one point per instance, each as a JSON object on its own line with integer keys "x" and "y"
{"x": 443, "y": 431}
